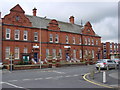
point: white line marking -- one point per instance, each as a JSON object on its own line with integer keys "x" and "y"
{"x": 12, "y": 80}
{"x": 26, "y": 79}
{"x": 12, "y": 85}
{"x": 68, "y": 76}
{"x": 75, "y": 75}
{"x": 49, "y": 78}
{"x": 38, "y": 78}
{"x": 59, "y": 72}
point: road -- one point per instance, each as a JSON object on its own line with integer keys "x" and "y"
{"x": 63, "y": 77}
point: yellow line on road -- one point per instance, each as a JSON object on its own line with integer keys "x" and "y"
{"x": 84, "y": 77}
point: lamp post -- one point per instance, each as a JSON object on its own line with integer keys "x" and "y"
{"x": 40, "y": 49}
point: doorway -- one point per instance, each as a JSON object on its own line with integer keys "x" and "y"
{"x": 36, "y": 57}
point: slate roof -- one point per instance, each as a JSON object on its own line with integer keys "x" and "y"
{"x": 40, "y": 22}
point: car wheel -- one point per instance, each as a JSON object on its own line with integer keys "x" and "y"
{"x": 97, "y": 68}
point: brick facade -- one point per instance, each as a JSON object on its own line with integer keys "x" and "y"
{"x": 85, "y": 40}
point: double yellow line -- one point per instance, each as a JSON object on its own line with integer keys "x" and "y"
{"x": 84, "y": 77}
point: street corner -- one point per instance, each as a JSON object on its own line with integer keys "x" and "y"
{"x": 98, "y": 79}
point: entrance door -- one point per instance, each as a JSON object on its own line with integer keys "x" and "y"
{"x": 36, "y": 57}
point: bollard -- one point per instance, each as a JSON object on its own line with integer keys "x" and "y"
{"x": 99, "y": 68}
{"x": 104, "y": 77}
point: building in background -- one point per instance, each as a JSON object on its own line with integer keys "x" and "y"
{"x": 31, "y": 38}
{"x": 110, "y": 50}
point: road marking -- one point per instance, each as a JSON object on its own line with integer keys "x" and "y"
{"x": 38, "y": 78}
{"x": 76, "y": 75}
{"x": 59, "y": 72}
{"x": 68, "y": 76}
{"x": 49, "y": 78}
{"x": 12, "y": 80}
{"x": 26, "y": 79}
{"x": 12, "y": 85}
{"x": 84, "y": 77}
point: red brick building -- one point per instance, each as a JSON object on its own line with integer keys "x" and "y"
{"x": 110, "y": 50}
{"x": 33, "y": 38}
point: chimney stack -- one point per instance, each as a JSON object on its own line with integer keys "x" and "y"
{"x": 34, "y": 11}
{"x": 71, "y": 19}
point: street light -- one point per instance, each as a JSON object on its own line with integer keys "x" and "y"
{"x": 40, "y": 48}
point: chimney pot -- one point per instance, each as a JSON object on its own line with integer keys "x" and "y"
{"x": 34, "y": 11}
{"x": 71, "y": 19}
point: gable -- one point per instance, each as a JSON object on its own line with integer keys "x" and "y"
{"x": 87, "y": 30}
{"x": 16, "y": 17}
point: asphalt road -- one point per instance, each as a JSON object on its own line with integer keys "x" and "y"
{"x": 63, "y": 77}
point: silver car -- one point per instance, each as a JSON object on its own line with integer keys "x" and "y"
{"x": 105, "y": 64}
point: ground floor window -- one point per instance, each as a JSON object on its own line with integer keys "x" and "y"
{"x": 47, "y": 52}
{"x": 92, "y": 53}
{"x": 74, "y": 53}
{"x": 16, "y": 52}
{"x": 7, "y": 52}
{"x": 60, "y": 52}
{"x": 54, "y": 53}
{"x": 80, "y": 53}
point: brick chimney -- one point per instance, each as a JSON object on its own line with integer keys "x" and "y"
{"x": 34, "y": 11}
{"x": 71, "y": 19}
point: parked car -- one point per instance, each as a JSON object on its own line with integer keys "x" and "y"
{"x": 105, "y": 64}
{"x": 117, "y": 61}
{"x": 1, "y": 65}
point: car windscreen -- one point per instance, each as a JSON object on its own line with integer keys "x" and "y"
{"x": 110, "y": 61}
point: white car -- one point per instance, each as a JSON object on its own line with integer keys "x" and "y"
{"x": 1, "y": 65}
{"x": 105, "y": 64}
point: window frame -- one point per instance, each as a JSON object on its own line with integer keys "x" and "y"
{"x": 15, "y": 33}
{"x": 18, "y": 52}
{"x": 25, "y": 34}
{"x": 8, "y": 33}
{"x": 35, "y": 36}
{"x": 7, "y": 53}
{"x": 50, "y": 37}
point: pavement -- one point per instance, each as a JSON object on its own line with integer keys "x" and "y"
{"x": 112, "y": 79}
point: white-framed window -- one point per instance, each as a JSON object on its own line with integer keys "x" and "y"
{"x": 17, "y": 34}
{"x": 80, "y": 41}
{"x": 80, "y": 53}
{"x": 60, "y": 52}
{"x": 54, "y": 53}
{"x": 88, "y": 41}
{"x": 7, "y": 52}
{"x": 56, "y": 38}
{"x": 96, "y": 42}
{"x": 51, "y": 38}
{"x": 73, "y": 40}
{"x": 16, "y": 52}
{"x": 35, "y": 36}
{"x": 25, "y": 50}
{"x": 92, "y": 42}
{"x": 85, "y": 41}
{"x": 74, "y": 53}
{"x": 47, "y": 52}
{"x": 67, "y": 39}
{"x": 8, "y": 33}
{"x": 25, "y": 35}
{"x": 93, "y": 54}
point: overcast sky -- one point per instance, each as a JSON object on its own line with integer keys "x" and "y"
{"x": 102, "y": 15}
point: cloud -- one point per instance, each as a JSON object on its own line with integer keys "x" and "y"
{"x": 107, "y": 28}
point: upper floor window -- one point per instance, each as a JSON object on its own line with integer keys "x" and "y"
{"x": 17, "y": 34}
{"x": 17, "y": 18}
{"x": 35, "y": 36}
{"x": 7, "y": 33}
{"x": 56, "y": 38}
{"x": 7, "y": 52}
{"x": 96, "y": 42}
{"x": 73, "y": 40}
{"x": 51, "y": 38}
{"x": 85, "y": 41}
{"x": 88, "y": 41}
{"x": 67, "y": 40}
{"x": 25, "y": 35}
{"x": 92, "y": 42}
{"x": 16, "y": 52}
